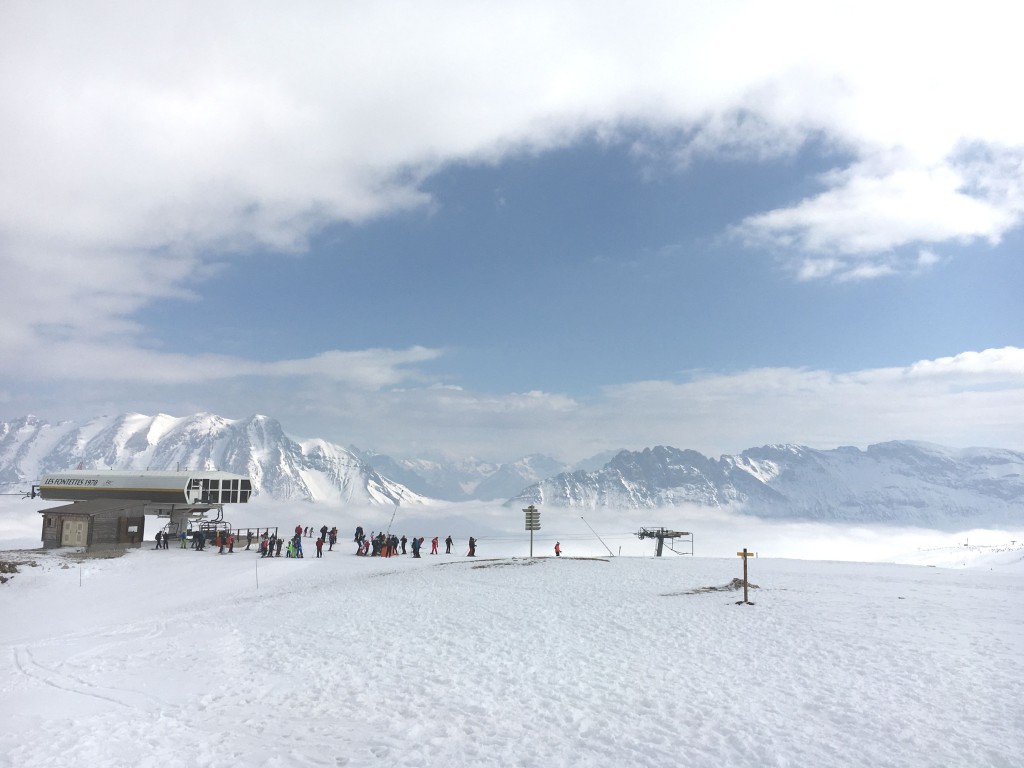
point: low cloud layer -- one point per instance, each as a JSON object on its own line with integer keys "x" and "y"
{"x": 972, "y": 399}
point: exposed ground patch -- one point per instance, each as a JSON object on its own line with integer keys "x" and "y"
{"x": 732, "y": 586}
{"x": 10, "y": 567}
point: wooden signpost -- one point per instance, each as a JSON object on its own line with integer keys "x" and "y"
{"x": 744, "y": 554}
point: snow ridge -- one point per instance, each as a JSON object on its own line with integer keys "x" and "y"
{"x": 894, "y": 482}
{"x": 257, "y": 446}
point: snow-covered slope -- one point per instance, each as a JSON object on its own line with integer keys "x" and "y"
{"x": 904, "y": 482}
{"x": 257, "y": 446}
{"x": 180, "y": 658}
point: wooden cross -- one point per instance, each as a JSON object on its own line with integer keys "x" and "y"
{"x": 744, "y": 554}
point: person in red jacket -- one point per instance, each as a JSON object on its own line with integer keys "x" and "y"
{"x": 433, "y": 546}
{"x": 320, "y": 547}
{"x": 558, "y": 549}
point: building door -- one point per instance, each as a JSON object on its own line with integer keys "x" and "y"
{"x": 73, "y": 534}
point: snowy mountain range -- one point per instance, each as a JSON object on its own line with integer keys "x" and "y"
{"x": 280, "y": 467}
{"x": 311, "y": 470}
{"x": 463, "y": 479}
{"x": 894, "y": 482}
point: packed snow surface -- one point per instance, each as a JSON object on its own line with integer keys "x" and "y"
{"x": 185, "y": 658}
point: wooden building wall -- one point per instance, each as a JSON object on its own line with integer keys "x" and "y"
{"x": 106, "y": 526}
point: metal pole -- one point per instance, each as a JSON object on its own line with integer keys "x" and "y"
{"x": 531, "y": 542}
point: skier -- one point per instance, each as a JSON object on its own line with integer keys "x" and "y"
{"x": 472, "y": 547}
{"x": 558, "y": 549}
{"x": 415, "y": 547}
{"x": 159, "y": 540}
{"x": 448, "y": 545}
{"x": 433, "y": 546}
{"x": 320, "y": 547}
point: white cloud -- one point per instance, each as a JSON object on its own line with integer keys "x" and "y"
{"x": 927, "y": 259}
{"x": 366, "y": 369}
{"x": 132, "y": 127}
{"x": 994, "y": 365}
{"x": 80, "y": 360}
{"x": 869, "y": 211}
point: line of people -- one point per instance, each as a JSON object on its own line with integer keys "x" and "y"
{"x": 385, "y": 545}
{"x": 270, "y": 544}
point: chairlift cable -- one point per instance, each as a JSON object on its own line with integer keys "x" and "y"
{"x": 598, "y": 537}
{"x": 392, "y": 520}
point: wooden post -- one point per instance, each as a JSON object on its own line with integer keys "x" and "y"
{"x": 745, "y": 596}
{"x": 744, "y": 554}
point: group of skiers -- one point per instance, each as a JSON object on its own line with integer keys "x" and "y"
{"x": 388, "y": 545}
{"x": 270, "y": 544}
{"x": 223, "y": 540}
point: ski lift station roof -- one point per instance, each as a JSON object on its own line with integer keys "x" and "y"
{"x": 210, "y": 487}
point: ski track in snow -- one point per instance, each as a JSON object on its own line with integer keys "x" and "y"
{"x": 349, "y": 661}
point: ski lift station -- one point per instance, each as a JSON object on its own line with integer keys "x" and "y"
{"x": 108, "y": 508}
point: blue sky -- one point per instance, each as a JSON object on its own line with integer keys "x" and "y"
{"x": 559, "y": 229}
{"x": 574, "y": 270}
